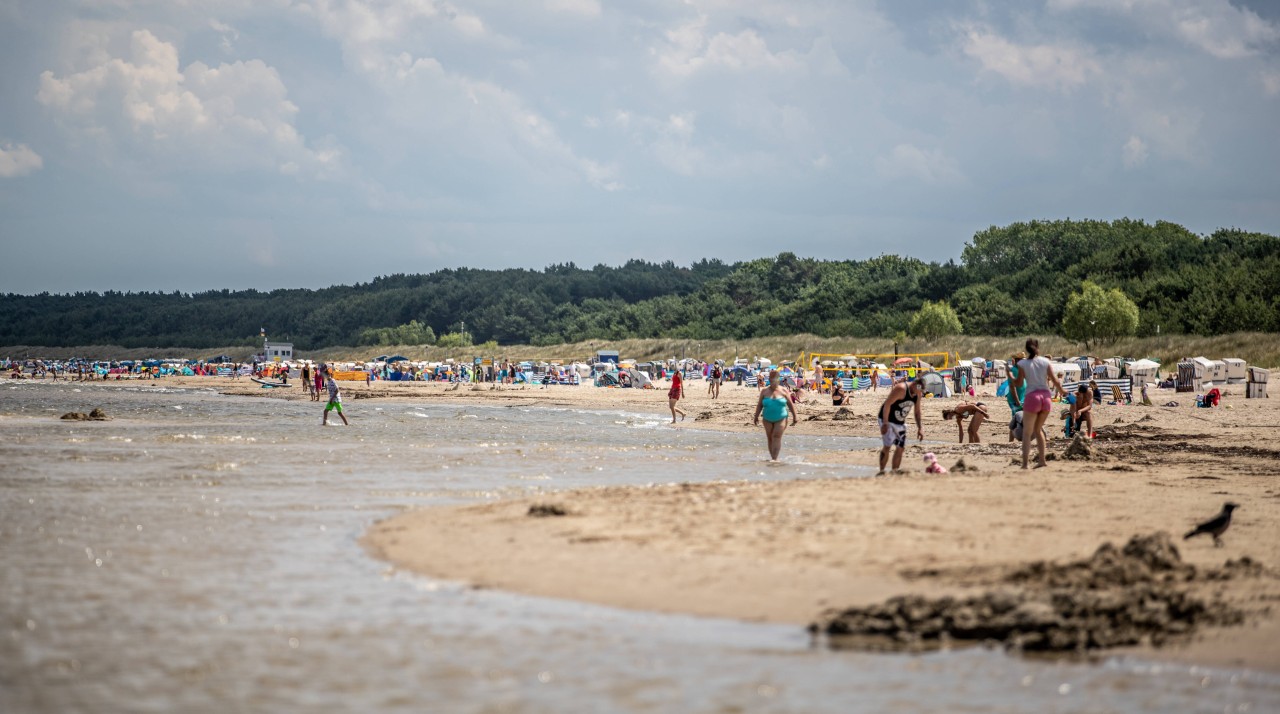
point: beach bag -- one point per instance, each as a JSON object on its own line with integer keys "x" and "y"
{"x": 1002, "y": 390}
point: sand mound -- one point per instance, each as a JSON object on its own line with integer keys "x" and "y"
{"x": 1118, "y": 596}
{"x": 1144, "y": 559}
{"x": 1081, "y": 449}
{"x": 96, "y": 415}
{"x": 961, "y": 467}
{"x": 844, "y": 414}
{"x": 546, "y": 510}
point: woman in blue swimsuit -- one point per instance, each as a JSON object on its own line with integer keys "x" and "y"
{"x": 775, "y": 403}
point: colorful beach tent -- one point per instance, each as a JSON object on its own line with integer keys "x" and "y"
{"x": 934, "y": 384}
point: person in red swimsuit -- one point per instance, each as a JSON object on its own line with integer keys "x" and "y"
{"x": 675, "y": 394}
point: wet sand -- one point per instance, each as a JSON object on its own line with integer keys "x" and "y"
{"x": 788, "y": 551}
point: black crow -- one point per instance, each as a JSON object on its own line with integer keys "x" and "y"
{"x": 1215, "y": 526}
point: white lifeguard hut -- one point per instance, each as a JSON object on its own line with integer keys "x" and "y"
{"x": 277, "y": 351}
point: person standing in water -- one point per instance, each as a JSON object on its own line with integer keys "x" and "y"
{"x": 903, "y": 399}
{"x": 335, "y": 399}
{"x": 1036, "y": 373}
{"x": 675, "y": 394}
{"x": 775, "y": 404}
{"x": 319, "y": 382}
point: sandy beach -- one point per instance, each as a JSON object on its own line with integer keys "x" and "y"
{"x": 789, "y": 551}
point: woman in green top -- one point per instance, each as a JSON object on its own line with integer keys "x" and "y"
{"x": 775, "y": 403}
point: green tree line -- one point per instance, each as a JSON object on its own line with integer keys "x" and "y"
{"x": 1011, "y": 280}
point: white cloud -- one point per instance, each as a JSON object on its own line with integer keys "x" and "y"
{"x": 1172, "y": 133}
{"x": 1134, "y": 153}
{"x": 688, "y": 49}
{"x": 670, "y": 141}
{"x": 1052, "y": 66}
{"x": 229, "y": 34}
{"x": 232, "y": 116}
{"x": 1217, "y": 27}
{"x": 908, "y": 161}
{"x": 493, "y": 121}
{"x": 440, "y": 104}
{"x": 585, "y": 8}
{"x": 370, "y": 30}
{"x": 18, "y": 160}
{"x": 1271, "y": 82}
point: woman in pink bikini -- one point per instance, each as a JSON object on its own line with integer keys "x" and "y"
{"x": 1036, "y": 373}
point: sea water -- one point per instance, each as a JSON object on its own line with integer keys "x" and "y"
{"x": 199, "y": 553}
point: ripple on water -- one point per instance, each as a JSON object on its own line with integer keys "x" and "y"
{"x": 175, "y": 438}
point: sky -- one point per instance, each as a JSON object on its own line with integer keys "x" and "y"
{"x": 192, "y": 145}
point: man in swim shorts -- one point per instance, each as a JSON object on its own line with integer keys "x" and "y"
{"x": 335, "y": 399}
{"x": 903, "y": 399}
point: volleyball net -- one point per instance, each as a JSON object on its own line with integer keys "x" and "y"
{"x": 862, "y": 364}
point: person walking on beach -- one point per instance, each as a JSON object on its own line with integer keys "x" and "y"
{"x": 713, "y": 384}
{"x": 1035, "y": 372}
{"x": 675, "y": 394}
{"x": 335, "y": 399}
{"x": 775, "y": 404}
{"x": 903, "y": 399}
{"x": 319, "y": 382}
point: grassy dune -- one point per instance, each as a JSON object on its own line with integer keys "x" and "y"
{"x": 1254, "y": 347}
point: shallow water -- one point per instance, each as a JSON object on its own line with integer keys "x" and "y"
{"x": 199, "y": 553}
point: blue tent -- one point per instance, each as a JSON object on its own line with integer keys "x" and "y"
{"x": 396, "y": 358}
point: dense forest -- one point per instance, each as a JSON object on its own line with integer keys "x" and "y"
{"x": 1011, "y": 280}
